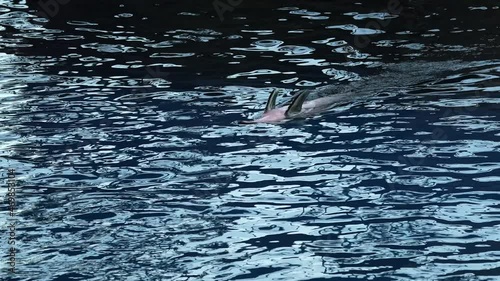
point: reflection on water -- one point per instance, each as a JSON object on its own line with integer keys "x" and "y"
{"x": 121, "y": 123}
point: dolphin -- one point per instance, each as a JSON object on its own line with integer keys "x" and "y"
{"x": 298, "y": 107}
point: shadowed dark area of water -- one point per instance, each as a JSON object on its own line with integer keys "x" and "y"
{"x": 120, "y": 119}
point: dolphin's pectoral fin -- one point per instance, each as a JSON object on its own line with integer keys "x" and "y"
{"x": 296, "y": 105}
{"x": 271, "y": 101}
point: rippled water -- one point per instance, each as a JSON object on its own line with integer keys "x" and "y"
{"x": 121, "y": 121}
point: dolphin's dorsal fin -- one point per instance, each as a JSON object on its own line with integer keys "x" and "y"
{"x": 271, "y": 101}
{"x": 296, "y": 105}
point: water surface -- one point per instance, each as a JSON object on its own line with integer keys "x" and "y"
{"x": 120, "y": 120}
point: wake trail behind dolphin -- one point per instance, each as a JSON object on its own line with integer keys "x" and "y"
{"x": 392, "y": 77}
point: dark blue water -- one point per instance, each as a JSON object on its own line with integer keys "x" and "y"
{"x": 121, "y": 122}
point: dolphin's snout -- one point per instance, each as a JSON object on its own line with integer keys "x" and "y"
{"x": 246, "y": 122}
